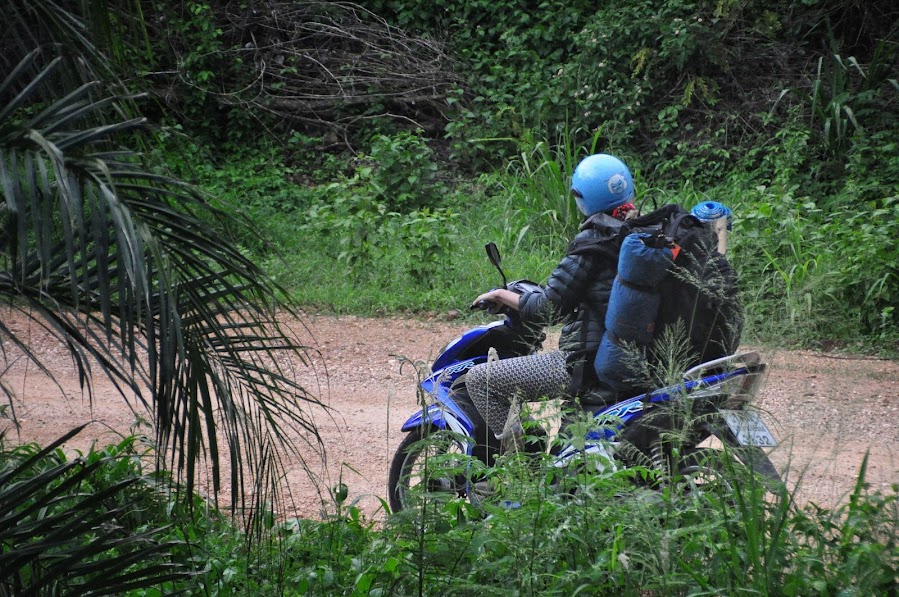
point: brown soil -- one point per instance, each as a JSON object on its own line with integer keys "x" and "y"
{"x": 826, "y": 411}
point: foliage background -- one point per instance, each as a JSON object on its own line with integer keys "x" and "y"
{"x": 786, "y": 111}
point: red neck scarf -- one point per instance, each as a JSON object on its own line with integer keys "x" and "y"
{"x": 622, "y": 210}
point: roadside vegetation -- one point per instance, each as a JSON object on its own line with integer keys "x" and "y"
{"x": 784, "y": 112}
{"x": 385, "y": 145}
{"x": 538, "y": 535}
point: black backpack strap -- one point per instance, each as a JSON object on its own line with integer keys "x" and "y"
{"x": 659, "y": 216}
{"x": 604, "y": 237}
{"x": 595, "y": 246}
{"x": 675, "y": 223}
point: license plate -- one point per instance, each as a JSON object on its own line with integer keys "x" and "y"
{"x": 749, "y": 428}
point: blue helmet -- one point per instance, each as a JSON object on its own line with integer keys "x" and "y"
{"x": 601, "y": 182}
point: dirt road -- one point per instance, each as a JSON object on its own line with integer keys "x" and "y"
{"x": 826, "y": 411}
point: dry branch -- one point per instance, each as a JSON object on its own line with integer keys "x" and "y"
{"x": 328, "y": 63}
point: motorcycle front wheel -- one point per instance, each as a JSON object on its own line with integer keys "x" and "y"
{"x": 429, "y": 463}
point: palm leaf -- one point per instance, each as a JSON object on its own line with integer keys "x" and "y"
{"x": 133, "y": 273}
{"x": 29, "y": 25}
{"x": 56, "y": 537}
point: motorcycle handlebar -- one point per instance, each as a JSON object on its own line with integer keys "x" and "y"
{"x": 490, "y": 306}
{"x": 517, "y": 286}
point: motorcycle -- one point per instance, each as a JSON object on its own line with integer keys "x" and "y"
{"x": 627, "y": 432}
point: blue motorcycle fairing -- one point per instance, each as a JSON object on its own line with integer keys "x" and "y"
{"x": 447, "y": 356}
{"x": 447, "y": 375}
{"x": 443, "y": 418}
{"x": 623, "y": 413}
{"x": 444, "y": 414}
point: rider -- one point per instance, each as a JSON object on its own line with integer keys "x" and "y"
{"x": 577, "y": 292}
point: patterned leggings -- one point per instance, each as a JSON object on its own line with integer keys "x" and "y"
{"x": 492, "y": 386}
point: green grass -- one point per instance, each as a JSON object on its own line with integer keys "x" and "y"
{"x": 815, "y": 270}
{"x": 610, "y": 536}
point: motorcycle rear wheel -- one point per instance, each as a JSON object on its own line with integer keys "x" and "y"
{"x": 415, "y": 474}
{"x": 704, "y": 468}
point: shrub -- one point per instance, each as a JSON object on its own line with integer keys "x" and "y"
{"x": 402, "y": 170}
{"x": 389, "y": 212}
{"x": 89, "y": 525}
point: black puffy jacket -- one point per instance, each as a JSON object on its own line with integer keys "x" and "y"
{"x": 577, "y": 293}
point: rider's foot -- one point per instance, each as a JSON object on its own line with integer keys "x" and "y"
{"x": 483, "y": 489}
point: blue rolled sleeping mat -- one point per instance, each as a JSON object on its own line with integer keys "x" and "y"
{"x": 709, "y": 211}
{"x": 633, "y": 306}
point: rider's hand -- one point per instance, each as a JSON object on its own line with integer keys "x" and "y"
{"x": 499, "y": 297}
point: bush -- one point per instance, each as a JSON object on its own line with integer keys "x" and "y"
{"x": 609, "y": 535}
{"x": 389, "y": 213}
{"x": 821, "y": 265}
{"x": 92, "y": 524}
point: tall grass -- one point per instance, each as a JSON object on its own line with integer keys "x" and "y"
{"x": 596, "y": 533}
{"x": 813, "y": 268}
{"x": 538, "y": 189}
{"x": 623, "y": 532}
{"x": 610, "y": 537}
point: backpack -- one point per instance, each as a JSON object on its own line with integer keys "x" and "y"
{"x": 700, "y": 291}
{"x": 699, "y": 294}
{"x": 643, "y": 264}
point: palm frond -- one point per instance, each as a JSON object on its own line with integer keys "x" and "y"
{"x": 57, "y": 536}
{"x": 132, "y": 272}
{"x": 29, "y": 25}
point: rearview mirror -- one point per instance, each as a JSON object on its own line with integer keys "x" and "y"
{"x": 493, "y": 254}
{"x": 495, "y": 259}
